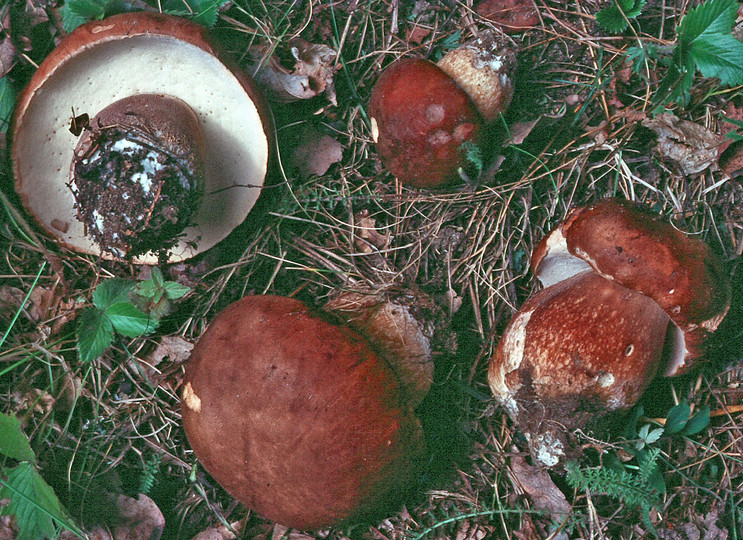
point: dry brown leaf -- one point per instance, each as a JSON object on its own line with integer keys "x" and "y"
{"x": 175, "y": 348}
{"x": 539, "y": 486}
{"x": 510, "y": 15}
{"x": 692, "y": 147}
{"x": 311, "y": 75}
{"x": 521, "y": 130}
{"x": 139, "y": 519}
{"x": 368, "y": 234}
{"x": 8, "y": 56}
{"x": 315, "y": 153}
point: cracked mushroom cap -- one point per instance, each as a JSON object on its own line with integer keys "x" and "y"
{"x": 129, "y": 54}
{"x": 627, "y": 243}
{"x": 574, "y": 351}
{"x": 297, "y": 417}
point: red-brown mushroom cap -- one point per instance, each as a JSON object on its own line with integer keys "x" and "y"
{"x": 297, "y": 417}
{"x": 138, "y": 53}
{"x": 623, "y": 241}
{"x": 582, "y": 347}
{"x": 422, "y": 119}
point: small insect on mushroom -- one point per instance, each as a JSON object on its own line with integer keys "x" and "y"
{"x": 626, "y": 296}
{"x": 78, "y": 123}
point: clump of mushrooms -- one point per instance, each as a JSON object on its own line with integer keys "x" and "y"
{"x": 424, "y": 115}
{"x": 305, "y": 416}
{"x": 166, "y": 167}
{"x": 626, "y": 296}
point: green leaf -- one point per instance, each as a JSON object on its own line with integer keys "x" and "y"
{"x": 614, "y": 18}
{"x": 32, "y": 502}
{"x": 13, "y": 442}
{"x": 719, "y": 56}
{"x": 698, "y": 422}
{"x": 156, "y": 275}
{"x": 77, "y": 12}
{"x": 174, "y": 290}
{"x": 643, "y": 57}
{"x": 204, "y": 12}
{"x": 129, "y": 321}
{"x": 677, "y": 418}
{"x": 94, "y": 334}
{"x": 7, "y": 102}
{"x": 713, "y": 16}
{"x": 111, "y": 291}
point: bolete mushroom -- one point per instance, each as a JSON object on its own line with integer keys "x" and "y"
{"x": 298, "y": 416}
{"x": 140, "y": 54}
{"x": 424, "y": 115}
{"x": 626, "y": 296}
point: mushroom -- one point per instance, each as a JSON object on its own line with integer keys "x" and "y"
{"x": 137, "y": 54}
{"x": 626, "y": 295}
{"x": 298, "y": 416}
{"x": 424, "y": 115}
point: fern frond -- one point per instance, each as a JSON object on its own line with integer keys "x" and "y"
{"x": 632, "y": 489}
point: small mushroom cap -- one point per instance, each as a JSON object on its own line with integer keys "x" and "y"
{"x": 483, "y": 68}
{"x": 625, "y": 242}
{"x": 297, "y": 417}
{"x": 139, "y": 53}
{"x": 422, "y": 118}
{"x": 582, "y": 346}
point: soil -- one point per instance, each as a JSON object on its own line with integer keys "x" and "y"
{"x": 132, "y": 195}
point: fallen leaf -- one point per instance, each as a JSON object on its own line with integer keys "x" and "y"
{"x": 692, "y": 147}
{"x": 510, "y": 15}
{"x": 540, "y": 488}
{"x": 139, "y": 518}
{"x": 175, "y": 348}
{"x": 368, "y": 234}
{"x": 315, "y": 152}
{"x": 521, "y": 130}
{"x": 311, "y": 75}
{"x": 417, "y": 34}
{"x": 8, "y": 56}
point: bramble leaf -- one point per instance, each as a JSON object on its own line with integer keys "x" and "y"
{"x": 110, "y": 292}
{"x": 129, "y": 321}
{"x": 94, "y": 334}
{"x": 31, "y": 501}
{"x": 614, "y": 18}
{"x": 77, "y": 12}
{"x": 719, "y": 56}
{"x": 713, "y": 16}
{"x": 13, "y": 442}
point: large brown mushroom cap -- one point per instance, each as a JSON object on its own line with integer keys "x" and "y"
{"x": 297, "y": 417}
{"x": 138, "y": 53}
{"x": 623, "y": 241}
{"x": 423, "y": 119}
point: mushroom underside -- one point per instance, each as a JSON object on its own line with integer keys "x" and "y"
{"x": 107, "y": 71}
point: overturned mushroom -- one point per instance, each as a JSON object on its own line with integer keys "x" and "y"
{"x": 300, "y": 417}
{"x": 424, "y": 115}
{"x": 626, "y": 296}
{"x": 138, "y": 54}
